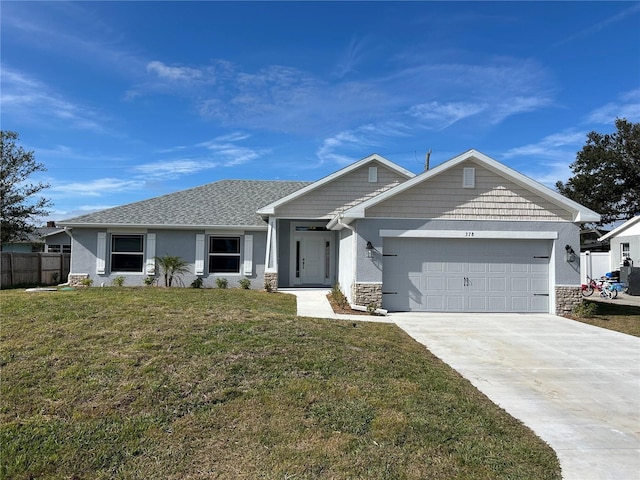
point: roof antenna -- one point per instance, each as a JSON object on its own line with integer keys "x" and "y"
{"x": 426, "y": 161}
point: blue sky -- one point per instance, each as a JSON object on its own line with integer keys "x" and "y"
{"x": 124, "y": 101}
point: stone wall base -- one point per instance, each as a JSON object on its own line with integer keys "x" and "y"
{"x": 271, "y": 281}
{"x": 567, "y": 298}
{"x": 366, "y": 294}
{"x": 75, "y": 279}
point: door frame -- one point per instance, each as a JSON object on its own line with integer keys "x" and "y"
{"x": 298, "y": 236}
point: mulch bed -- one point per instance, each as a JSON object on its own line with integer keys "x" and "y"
{"x": 342, "y": 310}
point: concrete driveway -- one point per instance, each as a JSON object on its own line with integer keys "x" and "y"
{"x": 576, "y": 386}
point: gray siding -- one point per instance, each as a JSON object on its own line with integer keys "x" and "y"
{"x": 493, "y": 198}
{"x": 181, "y": 243}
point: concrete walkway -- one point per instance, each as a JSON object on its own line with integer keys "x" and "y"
{"x": 576, "y": 386}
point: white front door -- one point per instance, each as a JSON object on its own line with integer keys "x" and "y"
{"x": 312, "y": 262}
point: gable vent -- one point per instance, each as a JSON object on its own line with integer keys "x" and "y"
{"x": 468, "y": 177}
{"x": 373, "y": 174}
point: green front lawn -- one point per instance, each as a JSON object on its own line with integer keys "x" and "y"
{"x": 613, "y": 316}
{"x": 141, "y": 383}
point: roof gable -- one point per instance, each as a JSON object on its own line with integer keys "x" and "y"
{"x": 514, "y": 192}
{"x": 349, "y": 196}
{"x": 628, "y": 228}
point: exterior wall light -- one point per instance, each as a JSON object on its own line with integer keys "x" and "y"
{"x": 570, "y": 255}
{"x": 369, "y": 249}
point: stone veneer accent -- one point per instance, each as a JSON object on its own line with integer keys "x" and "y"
{"x": 367, "y": 293}
{"x": 75, "y": 279}
{"x": 567, "y": 298}
{"x": 271, "y": 281}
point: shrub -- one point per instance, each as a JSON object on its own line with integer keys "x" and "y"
{"x": 338, "y": 296}
{"x": 148, "y": 281}
{"x": 86, "y": 282}
{"x": 118, "y": 281}
{"x": 222, "y": 282}
{"x": 245, "y": 283}
{"x": 585, "y": 309}
{"x": 197, "y": 283}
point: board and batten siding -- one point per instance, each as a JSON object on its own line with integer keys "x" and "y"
{"x": 341, "y": 194}
{"x": 492, "y": 198}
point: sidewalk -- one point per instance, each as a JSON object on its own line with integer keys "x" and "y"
{"x": 312, "y": 302}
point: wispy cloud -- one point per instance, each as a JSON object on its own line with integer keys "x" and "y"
{"x": 628, "y": 106}
{"x": 172, "y": 169}
{"x": 551, "y": 146}
{"x": 436, "y": 115}
{"x": 221, "y": 151}
{"x": 95, "y": 188}
{"x": 34, "y": 101}
{"x": 634, "y": 9}
{"x": 174, "y": 73}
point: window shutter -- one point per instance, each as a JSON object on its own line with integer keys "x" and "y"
{"x": 101, "y": 253}
{"x": 151, "y": 254}
{"x": 199, "y": 267}
{"x": 248, "y": 254}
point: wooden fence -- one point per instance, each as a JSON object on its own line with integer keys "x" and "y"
{"x": 33, "y": 268}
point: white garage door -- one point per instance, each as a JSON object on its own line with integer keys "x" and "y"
{"x": 466, "y": 275}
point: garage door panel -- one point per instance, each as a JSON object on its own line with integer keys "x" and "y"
{"x": 497, "y": 285}
{"x": 434, "y": 284}
{"x": 494, "y": 275}
{"x": 454, "y": 284}
{"x": 497, "y": 268}
{"x": 434, "y": 303}
{"x": 520, "y": 304}
{"x": 477, "y": 284}
{"x": 540, "y": 268}
{"x": 455, "y": 303}
{"x": 497, "y": 304}
{"x": 478, "y": 268}
{"x": 519, "y": 284}
{"x": 433, "y": 267}
{"x": 454, "y": 267}
{"x": 539, "y": 285}
{"x": 478, "y": 304}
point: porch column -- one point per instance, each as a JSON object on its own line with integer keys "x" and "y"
{"x": 271, "y": 257}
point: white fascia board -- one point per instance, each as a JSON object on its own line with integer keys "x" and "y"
{"x": 497, "y": 234}
{"x": 581, "y": 214}
{"x": 270, "y": 209}
{"x": 163, "y": 226}
{"x": 620, "y": 228}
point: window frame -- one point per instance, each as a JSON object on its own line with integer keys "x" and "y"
{"x": 236, "y": 255}
{"x": 115, "y": 253}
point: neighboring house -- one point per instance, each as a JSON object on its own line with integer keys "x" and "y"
{"x": 50, "y": 239}
{"x": 590, "y": 240}
{"x": 625, "y": 243}
{"x": 469, "y": 235}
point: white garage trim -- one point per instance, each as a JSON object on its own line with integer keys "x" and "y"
{"x": 513, "y": 235}
{"x": 469, "y": 275}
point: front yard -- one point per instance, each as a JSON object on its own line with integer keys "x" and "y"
{"x": 140, "y": 383}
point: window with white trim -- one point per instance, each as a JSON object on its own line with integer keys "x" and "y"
{"x": 625, "y": 251}
{"x": 224, "y": 254}
{"x": 58, "y": 248}
{"x": 127, "y": 253}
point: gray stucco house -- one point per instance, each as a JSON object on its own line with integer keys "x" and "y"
{"x": 469, "y": 235}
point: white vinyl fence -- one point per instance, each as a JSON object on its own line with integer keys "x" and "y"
{"x": 594, "y": 264}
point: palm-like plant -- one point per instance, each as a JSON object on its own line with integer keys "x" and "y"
{"x": 172, "y": 267}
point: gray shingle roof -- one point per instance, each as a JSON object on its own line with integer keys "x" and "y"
{"x": 222, "y": 203}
